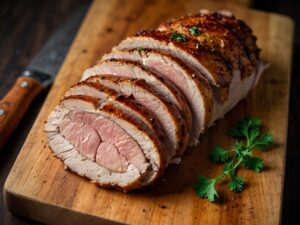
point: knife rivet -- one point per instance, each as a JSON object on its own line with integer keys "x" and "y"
{"x": 24, "y": 84}
{"x": 26, "y": 73}
{"x": 2, "y": 112}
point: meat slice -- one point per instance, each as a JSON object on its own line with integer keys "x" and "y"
{"x": 130, "y": 69}
{"x": 134, "y": 147}
{"x": 164, "y": 110}
{"x": 127, "y": 105}
{"x": 80, "y": 164}
{"x": 196, "y": 89}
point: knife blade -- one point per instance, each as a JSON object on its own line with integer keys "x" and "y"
{"x": 39, "y": 74}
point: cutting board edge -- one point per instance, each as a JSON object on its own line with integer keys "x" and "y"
{"x": 237, "y": 6}
{"x": 288, "y": 19}
{"x": 291, "y": 23}
{"x": 18, "y": 204}
{"x": 287, "y": 126}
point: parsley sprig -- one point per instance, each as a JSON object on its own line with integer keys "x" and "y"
{"x": 241, "y": 154}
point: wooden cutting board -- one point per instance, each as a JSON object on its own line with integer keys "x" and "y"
{"x": 38, "y": 187}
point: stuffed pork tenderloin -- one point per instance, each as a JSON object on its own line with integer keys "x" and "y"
{"x": 139, "y": 107}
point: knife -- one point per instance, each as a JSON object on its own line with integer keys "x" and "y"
{"x": 39, "y": 74}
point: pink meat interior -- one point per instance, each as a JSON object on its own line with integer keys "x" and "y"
{"x": 101, "y": 140}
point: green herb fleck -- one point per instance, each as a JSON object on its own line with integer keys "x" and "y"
{"x": 219, "y": 154}
{"x": 194, "y": 31}
{"x": 213, "y": 50}
{"x": 241, "y": 154}
{"x": 178, "y": 37}
{"x": 141, "y": 50}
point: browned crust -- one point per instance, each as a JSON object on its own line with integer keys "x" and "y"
{"x": 177, "y": 95}
{"x": 181, "y": 128}
{"x": 112, "y": 110}
{"x": 98, "y": 86}
{"x": 240, "y": 43}
{"x": 213, "y": 61}
{"x": 130, "y": 103}
{"x": 94, "y": 101}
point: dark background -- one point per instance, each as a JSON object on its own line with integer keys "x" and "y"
{"x": 26, "y": 25}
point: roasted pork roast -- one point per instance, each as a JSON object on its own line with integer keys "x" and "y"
{"x": 138, "y": 109}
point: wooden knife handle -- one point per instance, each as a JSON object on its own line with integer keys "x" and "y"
{"x": 14, "y": 105}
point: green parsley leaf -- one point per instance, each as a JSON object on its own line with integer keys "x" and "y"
{"x": 243, "y": 127}
{"x": 220, "y": 154}
{"x": 254, "y": 163}
{"x": 178, "y": 37}
{"x": 235, "y": 132}
{"x": 250, "y": 122}
{"x": 238, "y": 145}
{"x": 194, "y": 31}
{"x": 205, "y": 188}
{"x": 264, "y": 141}
{"x": 253, "y": 134}
{"x": 236, "y": 184}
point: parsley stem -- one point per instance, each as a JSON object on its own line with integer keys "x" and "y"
{"x": 220, "y": 177}
{"x": 237, "y": 164}
{"x": 230, "y": 171}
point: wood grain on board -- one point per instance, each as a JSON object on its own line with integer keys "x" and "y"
{"x": 39, "y": 188}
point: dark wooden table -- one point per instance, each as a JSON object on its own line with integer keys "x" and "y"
{"x": 26, "y": 25}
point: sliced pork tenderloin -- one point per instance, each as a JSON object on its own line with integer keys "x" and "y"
{"x": 196, "y": 89}
{"x": 130, "y": 69}
{"x": 104, "y": 135}
{"x": 105, "y": 127}
{"x": 165, "y": 111}
{"x": 127, "y": 105}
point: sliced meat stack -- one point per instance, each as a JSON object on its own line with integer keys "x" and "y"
{"x": 136, "y": 111}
